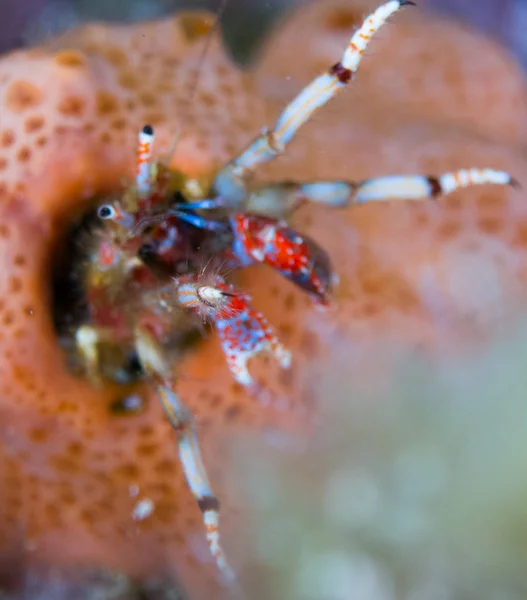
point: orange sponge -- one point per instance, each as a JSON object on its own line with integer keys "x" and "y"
{"x": 80, "y": 484}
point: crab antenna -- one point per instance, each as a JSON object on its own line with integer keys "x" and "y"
{"x": 144, "y": 156}
{"x": 195, "y": 81}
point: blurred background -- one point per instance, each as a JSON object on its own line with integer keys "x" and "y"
{"x": 245, "y": 21}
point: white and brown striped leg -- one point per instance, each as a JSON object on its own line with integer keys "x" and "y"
{"x": 420, "y": 187}
{"x": 178, "y": 415}
{"x": 279, "y": 200}
{"x": 230, "y": 180}
{"x": 189, "y": 454}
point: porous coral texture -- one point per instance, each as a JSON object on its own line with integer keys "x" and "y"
{"x": 72, "y": 474}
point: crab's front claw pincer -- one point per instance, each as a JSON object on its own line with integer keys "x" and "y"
{"x": 259, "y": 239}
{"x": 243, "y": 332}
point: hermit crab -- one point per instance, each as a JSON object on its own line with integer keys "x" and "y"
{"x": 158, "y": 262}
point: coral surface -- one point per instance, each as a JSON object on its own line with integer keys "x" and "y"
{"x": 75, "y": 477}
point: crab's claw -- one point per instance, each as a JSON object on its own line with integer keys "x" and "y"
{"x": 243, "y": 331}
{"x": 268, "y": 241}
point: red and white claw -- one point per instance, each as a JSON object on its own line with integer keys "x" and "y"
{"x": 243, "y": 332}
{"x": 260, "y": 239}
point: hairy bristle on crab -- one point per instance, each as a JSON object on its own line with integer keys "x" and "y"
{"x": 405, "y": 269}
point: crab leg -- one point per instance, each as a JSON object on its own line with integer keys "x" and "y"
{"x": 418, "y": 187}
{"x": 272, "y": 142}
{"x": 87, "y": 340}
{"x": 195, "y": 473}
{"x": 280, "y": 199}
{"x": 178, "y": 415}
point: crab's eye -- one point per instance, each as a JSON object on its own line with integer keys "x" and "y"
{"x": 106, "y": 212}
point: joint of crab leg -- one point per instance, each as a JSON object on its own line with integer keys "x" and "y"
{"x": 230, "y": 183}
{"x": 262, "y": 150}
{"x": 144, "y": 156}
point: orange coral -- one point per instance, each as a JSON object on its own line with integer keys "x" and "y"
{"x": 71, "y": 472}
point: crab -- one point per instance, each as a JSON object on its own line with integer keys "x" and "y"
{"x": 158, "y": 266}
